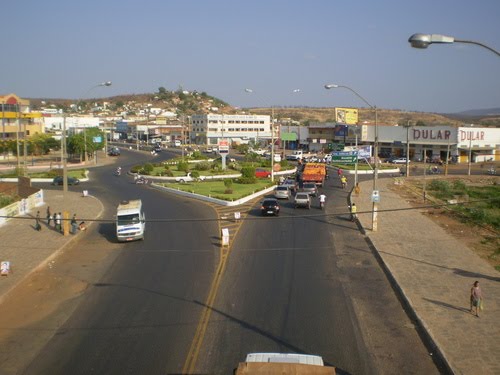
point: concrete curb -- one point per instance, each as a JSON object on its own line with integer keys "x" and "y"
{"x": 214, "y": 200}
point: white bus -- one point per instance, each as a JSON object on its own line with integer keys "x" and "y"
{"x": 130, "y": 221}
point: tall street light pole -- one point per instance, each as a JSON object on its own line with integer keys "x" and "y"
{"x": 375, "y": 169}
{"x": 107, "y": 83}
{"x": 423, "y": 41}
{"x": 407, "y": 126}
{"x": 250, "y": 91}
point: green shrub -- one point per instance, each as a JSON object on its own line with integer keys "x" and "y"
{"x": 54, "y": 173}
{"x": 136, "y": 168}
{"x": 247, "y": 180}
{"x": 5, "y": 200}
{"x": 197, "y": 155}
{"x": 202, "y": 166}
{"x": 440, "y": 185}
{"x": 168, "y": 173}
{"x": 228, "y": 191}
{"x": 228, "y": 183}
{"x": 195, "y": 174}
{"x": 148, "y": 168}
{"x": 477, "y": 214}
{"x": 459, "y": 185}
{"x": 183, "y": 166}
{"x": 248, "y": 172}
{"x": 243, "y": 149}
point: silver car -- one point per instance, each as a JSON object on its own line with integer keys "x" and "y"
{"x": 302, "y": 200}
{"x": 282, "y": 192}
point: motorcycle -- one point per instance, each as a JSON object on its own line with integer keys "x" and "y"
{"x": 141, "y": 180}
{"x": 321, "y": 205}
{"x": 117, "y": 172}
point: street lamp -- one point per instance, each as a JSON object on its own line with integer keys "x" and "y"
{"x": 250, "y": 91}
{"x": 422, "y": 41}
{"x": 407, "y": 126}
{"x": 375, "y": 169}
{"x": 107, "y": 83}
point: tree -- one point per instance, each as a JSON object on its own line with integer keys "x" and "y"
{"x": 77, "y": 143}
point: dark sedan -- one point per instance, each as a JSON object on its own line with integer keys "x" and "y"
{"x": 270, "y": 206}
{"x": 71, "y": 181}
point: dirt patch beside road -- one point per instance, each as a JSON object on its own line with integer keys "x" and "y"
{"x": 484, "y": 241}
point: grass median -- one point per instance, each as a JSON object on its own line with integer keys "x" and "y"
{"x": 218, "y": 190}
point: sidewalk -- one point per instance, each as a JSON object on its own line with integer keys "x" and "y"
{"x": 434, "y": 273}
{"x": 27, "y": 249}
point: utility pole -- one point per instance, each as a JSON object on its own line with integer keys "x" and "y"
{"x": 408, "y": 149}
{"x": 17, "y": 138}
{"x": 375, "y": 176}
{"x": 470, "y": 154}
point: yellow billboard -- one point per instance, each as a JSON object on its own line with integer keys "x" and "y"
{"x": 347, "y": 116}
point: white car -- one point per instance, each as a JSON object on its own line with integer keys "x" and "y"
{"x": 277, "y": 157}
{"x": 258, "y": 152}
{"x": 188, "y": 178}
{"x": 399, "y": 161}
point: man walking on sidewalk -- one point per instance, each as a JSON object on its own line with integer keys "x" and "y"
{"x": 476, "y": 298}
{"x": 38, "y": 227}
{"x": 49, "y": 216}
{"x": 57, "y": 221}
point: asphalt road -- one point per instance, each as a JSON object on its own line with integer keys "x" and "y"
{"x": 141, "y": 316}
{"x": 306, "y": 281}
{"x": 309, "y": 283}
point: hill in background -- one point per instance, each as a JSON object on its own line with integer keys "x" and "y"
{"x": 188, "y": 103}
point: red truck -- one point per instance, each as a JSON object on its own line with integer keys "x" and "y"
{"x": 314, "y": 172}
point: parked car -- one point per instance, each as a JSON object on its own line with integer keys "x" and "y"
{"x": 281, "y": 192}
{"x": 262, "y": 173}
{"x": 398, "y": 161}
{"x": 302, "y": 200}
{"x": 270, "y": 206}
{"x": 71, "y": 180}
{"x": 309, "y": 188}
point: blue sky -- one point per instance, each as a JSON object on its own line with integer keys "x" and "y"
{"x": 62, "y": 48}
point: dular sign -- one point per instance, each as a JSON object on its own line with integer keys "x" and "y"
{"x": 347, "y": 116}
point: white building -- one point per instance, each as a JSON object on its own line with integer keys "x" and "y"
{"x": 210, "y": 129}
{"x": 55, "y": 124}
{"x": 435, "y": 142}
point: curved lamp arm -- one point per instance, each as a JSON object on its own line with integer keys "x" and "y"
{"x": 422, "y": 41}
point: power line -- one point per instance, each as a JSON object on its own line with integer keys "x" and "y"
{"x": 247, "y": 218}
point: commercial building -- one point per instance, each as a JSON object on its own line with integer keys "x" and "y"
{"x": 17, "y": 120}
{"x": 209, "y": 129}
{"x": 432, "y": 142}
